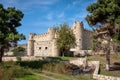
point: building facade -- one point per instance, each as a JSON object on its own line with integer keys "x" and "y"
{"x": 45, "y": 44}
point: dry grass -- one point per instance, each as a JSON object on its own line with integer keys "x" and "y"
{"x": 115, "y": 64}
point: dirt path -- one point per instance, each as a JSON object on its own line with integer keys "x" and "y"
{"x": 60, "y": 75}
{"x": 45, "y": 76}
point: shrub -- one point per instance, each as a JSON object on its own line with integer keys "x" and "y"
{"x": 32, "y": 64}
{"x": 9, "y": 70}
{"x": 18, "y": 58}
{"x": 18, "y": 49}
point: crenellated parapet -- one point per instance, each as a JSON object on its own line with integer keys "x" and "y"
{"x": 44, "y": 35}
{"x": 45, "y": 44}
{"x": 31, "y": 36}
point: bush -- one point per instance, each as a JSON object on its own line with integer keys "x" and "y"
{"x": 9, "y": 71}
{"x": 18, "y": 58}
{"x": 18, "y": 49}
{"x": 32, "y": 64}
{"x": 57, "y": 67}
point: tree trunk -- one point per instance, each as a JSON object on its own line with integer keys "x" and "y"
{"x": 63, "y": 53}
{"x": 1, "y": 54}
{"x": 108, "y": 58}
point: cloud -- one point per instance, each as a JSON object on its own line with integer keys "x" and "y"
{"x": 24, "y": 4}
{"x": 49, "y": 16}
{"x": 43, "y": 2}
{"x": 76, "y": 2}
{"x": 44, "y": 23}
{"x": 78, "y": 17}
{"x": 61, "y": 15}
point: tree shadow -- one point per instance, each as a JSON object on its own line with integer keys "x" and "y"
{"x": 115, "y": 66}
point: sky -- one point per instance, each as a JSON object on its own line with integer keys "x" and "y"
{"x": 39, "y": 15}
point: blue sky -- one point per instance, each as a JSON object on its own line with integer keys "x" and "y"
{"x": 39, "y": 15}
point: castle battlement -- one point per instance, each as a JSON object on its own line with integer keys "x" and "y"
{"x": 42, "y": 35}
{"x": 45, "y": 44}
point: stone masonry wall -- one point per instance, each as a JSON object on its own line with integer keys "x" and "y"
{"x": 97, "y": 76}
{"x": 45, "y": 44}
{"x": 87, "y": 39}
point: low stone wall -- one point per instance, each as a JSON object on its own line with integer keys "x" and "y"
{"x": 83, "y": 52}
{"x": 97, "y": 76}
{"x": 15, "y": 54}
{"x": 78, "y": 61}
{"x": 25, "y": 58}
{"x": 9, "y": 59}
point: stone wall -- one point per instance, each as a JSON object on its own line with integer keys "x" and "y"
{"x": 83, "y": 37}
{"x": 25, "y": 58}
{"x": 78, "y": 61}
{"x": 83, "y": 53}
{"x": 87, "y": 39}
{"x": 21, "y": 53}
{"x": 97, "y": 76}
{"x": 45, "y": 44}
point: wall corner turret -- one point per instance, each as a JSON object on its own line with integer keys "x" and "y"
{"x": 78, "y": 31}
{"x": 51, "y": 33}
{"x": 30, "y": 46}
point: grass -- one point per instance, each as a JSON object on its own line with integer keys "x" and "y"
{"x": 10, "y": 70}
{"x": 113, "y": 59}
{"x": 103, "y": 72}
{"x": 61, "y": 58}
{"x": 83, "y": 77}
{"x": 65, "y": 76}
{"x": 56, "y": 75}
{"x": 20, "y": 70}
{"x": 116, "y": 56}
{"x": 67, "y": 58}
{"x": 30, "y": 77}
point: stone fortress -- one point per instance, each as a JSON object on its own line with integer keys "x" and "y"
{"x": 45, "y": 44}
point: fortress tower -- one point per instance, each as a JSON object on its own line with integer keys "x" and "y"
{"x": 45, "y": 44}
{"x": 78, "y": 31}
{"x": 51, "y": 33}
{"x": 30, "y": 48}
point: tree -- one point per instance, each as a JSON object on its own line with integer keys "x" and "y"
{"x": 9, "y": 20}
{"x": 104, "y": 18}
{"x": 65, "y": 39}
{"x": 18, "y": 49}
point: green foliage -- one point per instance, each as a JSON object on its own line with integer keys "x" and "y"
{"x": 9, "y": 20}
{"x": 57, "y": 67}
{"x": 18, "y": 58}
{"x": 30, "y": 77}
{"x": 18, "y": 49}
{"x": 66, "y": 38}
{"x": 116, "y": 56}
{"x": 9, "y": 71}
{"x": 104, "y": 14}
{"x": 103, "y": 11}
{"x": 32, "y": 64}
